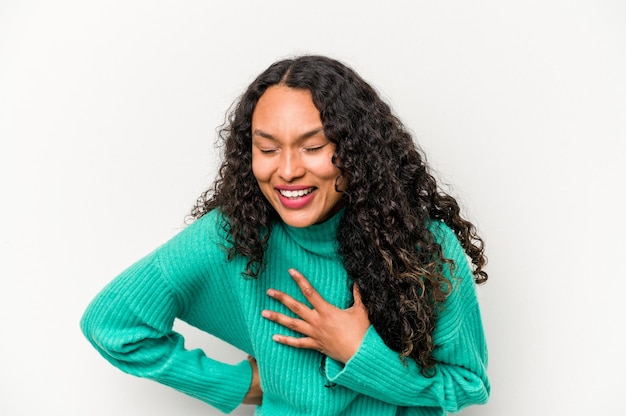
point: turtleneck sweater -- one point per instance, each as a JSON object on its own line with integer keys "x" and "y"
{"x": 190, "y": 278}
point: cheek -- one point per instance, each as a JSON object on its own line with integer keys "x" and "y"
{"x": 260, "y": 170}
{"x": 329, "y": 173}
{"x": 323, "y": 168}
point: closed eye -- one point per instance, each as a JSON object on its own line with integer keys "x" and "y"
{"x": 314, "y": 148}
{"x": 265, "y": 148}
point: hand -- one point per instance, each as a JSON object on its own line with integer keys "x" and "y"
{"x": 335, "y": 332}
{"x": 255, "y": 394}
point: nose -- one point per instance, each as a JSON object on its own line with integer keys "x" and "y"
{"x": 290, "y": 165}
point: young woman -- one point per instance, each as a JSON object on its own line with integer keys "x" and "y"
{"x": 325, "y": 251}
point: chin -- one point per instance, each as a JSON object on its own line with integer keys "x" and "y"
{"x": 299, "y": 222}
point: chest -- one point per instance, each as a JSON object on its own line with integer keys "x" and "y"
{"x": 285, "y": 370}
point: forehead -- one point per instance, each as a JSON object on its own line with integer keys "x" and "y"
{"x": 281, "y": 106}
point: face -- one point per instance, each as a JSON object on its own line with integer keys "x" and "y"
{"x": 291, "y": 157}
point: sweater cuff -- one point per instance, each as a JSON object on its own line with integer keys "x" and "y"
{"x": 377, "y": 371}
{"x": 234, "y": 392}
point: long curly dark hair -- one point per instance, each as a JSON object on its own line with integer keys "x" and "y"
{"x": 390, "y": 200}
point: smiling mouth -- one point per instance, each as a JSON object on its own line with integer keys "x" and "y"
{"x": 295, "y": 194}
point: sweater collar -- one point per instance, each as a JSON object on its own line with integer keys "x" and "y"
{"x": 320, "y": 239}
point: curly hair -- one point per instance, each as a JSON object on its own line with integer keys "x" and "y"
{"x": 391, "y": 198}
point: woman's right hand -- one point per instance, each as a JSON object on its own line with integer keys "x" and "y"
{"x": 255, "y": 394}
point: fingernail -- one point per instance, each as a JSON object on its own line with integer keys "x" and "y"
{"x": 271, "y": 292}
{"x": 265, "y": 314}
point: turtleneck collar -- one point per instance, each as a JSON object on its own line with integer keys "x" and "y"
{"x": 320, "y": 239}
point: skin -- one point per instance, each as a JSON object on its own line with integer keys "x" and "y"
{"x": 336, "y": 333}
{"x": 290, "y": 152}
{"x": 255, "y": 393}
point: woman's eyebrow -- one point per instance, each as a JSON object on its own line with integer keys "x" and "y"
{"x": 311, "y": 133}
{"x": 265, "y": 135}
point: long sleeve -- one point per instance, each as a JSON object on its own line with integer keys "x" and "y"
{"x": 460, "y": 350}
{"x": 130, "y": 324}
{"x": 190, "y": 278}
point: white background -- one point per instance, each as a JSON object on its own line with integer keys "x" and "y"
{"x": 108, "y": 111}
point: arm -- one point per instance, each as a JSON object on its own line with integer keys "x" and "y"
{"x": 460, "y": 350}
{"x": 130, "y": 324}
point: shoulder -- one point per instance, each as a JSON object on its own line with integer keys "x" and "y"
{"x": 447, "y": 239}
{"x": 205, "y": 234}
{"x": 192, "y": 255}
{"x": 212, "y": 226}
{"x": 460, "y": 271}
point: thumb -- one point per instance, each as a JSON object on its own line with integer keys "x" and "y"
{"x": 357, "y": 295}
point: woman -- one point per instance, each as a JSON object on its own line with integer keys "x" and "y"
{"x": 325, "y": 251}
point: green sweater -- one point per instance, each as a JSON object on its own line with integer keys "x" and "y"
{"x": 189, "y": 278}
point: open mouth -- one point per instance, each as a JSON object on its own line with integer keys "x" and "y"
{"x": 295, "y": 194}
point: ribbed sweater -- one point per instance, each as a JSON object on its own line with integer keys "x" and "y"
{"x": 190, "y": 278}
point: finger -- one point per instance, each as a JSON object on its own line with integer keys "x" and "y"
{"x": 308, "y": 290}
{"x": 356, "y": 294}
{"x": 294, "y": 306}
{"x": 297, "y": 325}
{"x": 305, "y": 343}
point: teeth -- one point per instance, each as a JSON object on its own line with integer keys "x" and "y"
{"x": 295, "y": 194}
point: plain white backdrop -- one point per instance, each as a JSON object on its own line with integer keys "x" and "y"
{"x": 108, "y": 111}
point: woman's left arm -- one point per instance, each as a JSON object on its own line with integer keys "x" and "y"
{"x": 460, "y": 379}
